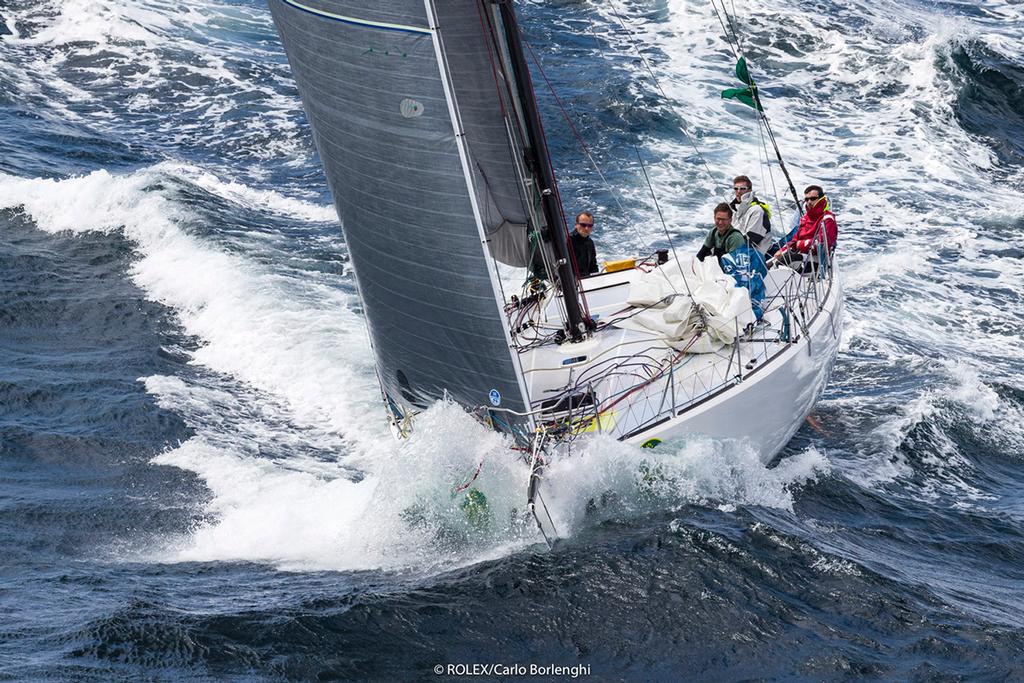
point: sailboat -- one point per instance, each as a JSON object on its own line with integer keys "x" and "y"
{"x": 426, "y": 122}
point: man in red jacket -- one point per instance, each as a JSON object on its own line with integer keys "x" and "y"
{"x": 816, "y": 233}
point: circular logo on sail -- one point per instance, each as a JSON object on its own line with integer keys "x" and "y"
{"x": 495, "y": 397}
{"x": 410, "y": 108}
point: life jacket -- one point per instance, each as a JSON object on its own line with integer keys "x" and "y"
{"x": 767, "y": 209}
{"x": 763, "y": 205}
{"x": 757, "y": 232}
{"x": 720, "y": 251}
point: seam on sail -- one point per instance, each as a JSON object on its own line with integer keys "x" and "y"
{"x": 460, "y": 143}
{"x": 358, "y": 22}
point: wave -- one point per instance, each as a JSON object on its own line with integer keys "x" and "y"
{"x": 290, "y": 437}
{"x": 990, "y": 100}
{"x": 284, "y": 333}
{"x": 405, "y": 513}
{"x": 289, "y": 384}
{"x": 931, "y": 441}
{"x": 190, "y": 76}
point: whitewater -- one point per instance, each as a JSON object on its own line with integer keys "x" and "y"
{"x": 198, "y": 480}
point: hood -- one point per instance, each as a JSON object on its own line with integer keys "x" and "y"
{"x": 741, "y": 205}
{"x": 815, "y": 212}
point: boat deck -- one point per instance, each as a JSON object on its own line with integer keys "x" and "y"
{"x": 623, "y": 380}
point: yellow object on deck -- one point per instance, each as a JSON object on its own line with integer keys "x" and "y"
{"x": 603, "y": 422}
{"x": 615, "y": 266}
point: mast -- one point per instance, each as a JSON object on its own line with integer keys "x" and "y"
{"x": 539, "y": 160}
{"x": 380, "y": 107}
{"x": 427, "y": 167}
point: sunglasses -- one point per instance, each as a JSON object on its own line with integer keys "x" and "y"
{"x": 585, "y": 225}
{"x": 812, "y": 199}
{"x": 744, "y": 189}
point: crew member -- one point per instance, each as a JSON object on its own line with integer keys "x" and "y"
{"x": 582, "y": 246}
{"x": 815, "y": 237}
{"x": 751, "y": 216}
{"x": 722, "y": 238}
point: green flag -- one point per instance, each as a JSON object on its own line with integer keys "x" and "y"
{"x": 748, "y": 95}
{"x": 742, "y": 73}
{"x": 744, "y": 95}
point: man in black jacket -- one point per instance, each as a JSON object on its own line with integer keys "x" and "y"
{"x": 582, "y": 246}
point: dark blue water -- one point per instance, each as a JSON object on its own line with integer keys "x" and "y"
{"x": 196, "y": 479}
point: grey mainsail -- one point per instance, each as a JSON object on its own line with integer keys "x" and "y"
{"x": 416, "y": 129}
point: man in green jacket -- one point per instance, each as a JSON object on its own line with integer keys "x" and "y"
{"x": 722, "y": 238}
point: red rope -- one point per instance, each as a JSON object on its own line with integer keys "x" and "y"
{"x": 558, "y": 194}
{"x": 469, "y": 483}
{"x": 659, "y": 375}
{"x": 488, "y": 30}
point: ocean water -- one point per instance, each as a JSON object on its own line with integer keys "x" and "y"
{"x": 196, "y": 478}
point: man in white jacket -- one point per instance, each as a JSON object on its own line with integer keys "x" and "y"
{"x": 751, "y": 216}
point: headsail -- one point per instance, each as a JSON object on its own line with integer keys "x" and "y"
{"x": 417, "y": 129}
{"x": 485, "y": 97}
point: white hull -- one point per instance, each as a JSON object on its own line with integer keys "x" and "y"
{"x": 770, "y": 403}
{"x": 638, "y": 388}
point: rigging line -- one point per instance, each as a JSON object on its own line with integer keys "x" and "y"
{"x": 728, "y": 38}
{"x": 757, "y": 101}
{"x": 778, "y": 152}
{"x": 736, "y": 45}
{"x": 565, "y": 115}
{"x": 583, "y": 145}
{"x": 578, "y": 318}
{"x": 732, "y": 25}
{"x": 488, "y": 31}
{"x": 657, "y": 84}
{"x": 767, "y": 163}
{"x": 664, "y": 226}
{"x": 570, "y": 253}
{"x": 512, "y": 123}
{"x": 771, "y": 176}
{"x": 575, "y": 132}
{"x": 739, "y": 41}
{"x": 733, "y": 41}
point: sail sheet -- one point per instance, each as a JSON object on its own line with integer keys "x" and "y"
{"x": 375, "y": 95}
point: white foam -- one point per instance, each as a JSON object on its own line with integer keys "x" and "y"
{"x": 979, "y": 399}
{"x": 880, "y": 456}
{"x": 900, "y": 288}
{"x": 295, "y": 343}
{"x": 875, "y": 122}
{"x": 259, "y": 199}
{"x": 261, "y": 512}
{"x": 283, "y": 334}
{"x": 407, "y": 513}
{"x": 631, "y": 480}
{"x": 302, "y": 354}
{"x": 167, "y": 70}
